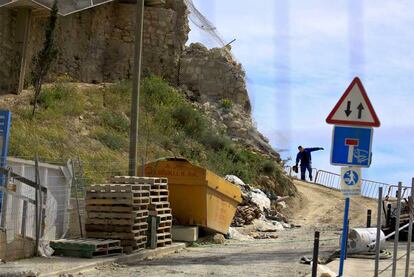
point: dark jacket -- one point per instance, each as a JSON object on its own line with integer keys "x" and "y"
{"x": 305, "y": 157}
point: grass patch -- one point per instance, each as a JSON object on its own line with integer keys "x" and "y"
{"x": 92, "y": 123}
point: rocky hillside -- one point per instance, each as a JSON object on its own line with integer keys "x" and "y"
{"x": 91, "y": 122}
{"x": 201, "y": 111}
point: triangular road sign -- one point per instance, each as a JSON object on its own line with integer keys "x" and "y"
{"x": 354, "y": 108}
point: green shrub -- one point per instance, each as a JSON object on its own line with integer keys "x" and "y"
{"x": 115, "y": 121}
{"x": 226, "y": 104}
{"x": 269, "y": 168}
{"x": 215, "y": 142}
{"x": 190, "y": 120}
{"x": 111, "y": 140}
{"x": 61, "y": 99}
{"x": 157, "y": 94}
{"x": 51, "y": 96}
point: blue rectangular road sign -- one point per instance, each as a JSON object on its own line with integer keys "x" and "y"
{"x": 351, "y": 146}
{"x": 5, "y": 119}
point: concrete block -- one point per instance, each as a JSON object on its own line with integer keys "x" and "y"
{"x": 184, "y": 233}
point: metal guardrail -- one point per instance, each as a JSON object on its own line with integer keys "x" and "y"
{"x": 369, "y": 188}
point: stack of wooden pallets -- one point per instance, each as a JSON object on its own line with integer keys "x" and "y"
{"x": 119, "y": 211}
{"x": 160, "y": 207}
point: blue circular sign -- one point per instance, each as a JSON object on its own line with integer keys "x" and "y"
{"x": 351, "y": 178}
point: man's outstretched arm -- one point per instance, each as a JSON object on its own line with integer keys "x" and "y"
{"x": 315, "y": 149}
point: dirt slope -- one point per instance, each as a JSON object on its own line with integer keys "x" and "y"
{"x": 321, "y": 206}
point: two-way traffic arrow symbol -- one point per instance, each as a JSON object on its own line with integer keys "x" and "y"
{"x": 348, "y": 110}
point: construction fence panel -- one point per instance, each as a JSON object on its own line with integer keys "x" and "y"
{"x": 18, "y": 235}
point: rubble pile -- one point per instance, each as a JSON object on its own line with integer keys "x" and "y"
{"x": 245, "y": 215}
{"x": 255, "y": 217}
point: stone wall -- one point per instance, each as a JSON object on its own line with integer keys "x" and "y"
{"x": 9, "y": 73}
{"x": 96, "y": 45}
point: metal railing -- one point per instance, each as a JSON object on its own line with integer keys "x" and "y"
{"x": 332, "y": 180}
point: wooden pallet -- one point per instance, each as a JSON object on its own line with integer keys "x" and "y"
{"x": 159, "y": 192}
{"x": 163, "y": 236}
{"x": 117, "y": 235}
{"x": 161, "y": 211}
{"x": 157, "y": 206}
{"x": 167, "y": 223}
{"x": 159, "y": 199}
{"x": 88, "y": 254}
{"x": 164, "y": 242}
{"x": 109, "y": 188}
{"x": 86, "y": 248}
{"x": 120, "y": 209}
{"x": 138, "y": 180}
{"x": 108, "y": 228}
{"x": 84, "y": 243}
{"x": 118, "y": 215}
{"x": 121, "y": 195}
{"x": 165, "y": 229}
{"x": 116, "y": 221}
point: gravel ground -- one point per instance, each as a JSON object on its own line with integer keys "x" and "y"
{"x": 278, "y": 257}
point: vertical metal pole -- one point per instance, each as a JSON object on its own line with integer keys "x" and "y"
{"x": 347, "y": 235}
{"x": 24, "y": 217}
{"x": 397, "y": 232}
{"x": 315, "y": 255}
{"x": 143, "y": 167}
{"x": 75, "y": 183}
{"x": 378, "y": 239}
{"x": 410, "y": 230}
{"x": 37, "y": 208}
{"x": 41, "y": 200}
{"x": 136, "y": 82}
{"x": 369, "y": 214}
{"x": 344, "y": 237}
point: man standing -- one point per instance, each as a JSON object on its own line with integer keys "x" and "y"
{"x": 305, "y": 158}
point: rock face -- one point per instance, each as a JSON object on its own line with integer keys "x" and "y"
{"x": 213, "y": 75}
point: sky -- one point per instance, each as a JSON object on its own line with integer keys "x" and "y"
{"x": 300, "y": 56}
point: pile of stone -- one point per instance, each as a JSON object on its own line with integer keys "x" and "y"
{"x": 255, "y": 216}
{"x": 254, "y": 206}
{"x": 245, "y": 215}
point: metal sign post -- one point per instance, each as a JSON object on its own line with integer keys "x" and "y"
{"x": 344, "y": 237}
{"x": 397, "y": 231}
{"x": 378, "y": 238}
{"x": 351, "y": 145}
{"x": 410, "y": 229}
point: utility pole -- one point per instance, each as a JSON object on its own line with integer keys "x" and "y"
{"x": 136, "y": 82}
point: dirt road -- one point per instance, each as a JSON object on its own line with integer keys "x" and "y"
{"x": 318, "y": 208}
{"x": 279, "y": 257}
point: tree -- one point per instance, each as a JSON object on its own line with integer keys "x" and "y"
{"x": 43, "y": 60}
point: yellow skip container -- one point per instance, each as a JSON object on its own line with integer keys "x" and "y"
{"x": 197, "y": 195}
